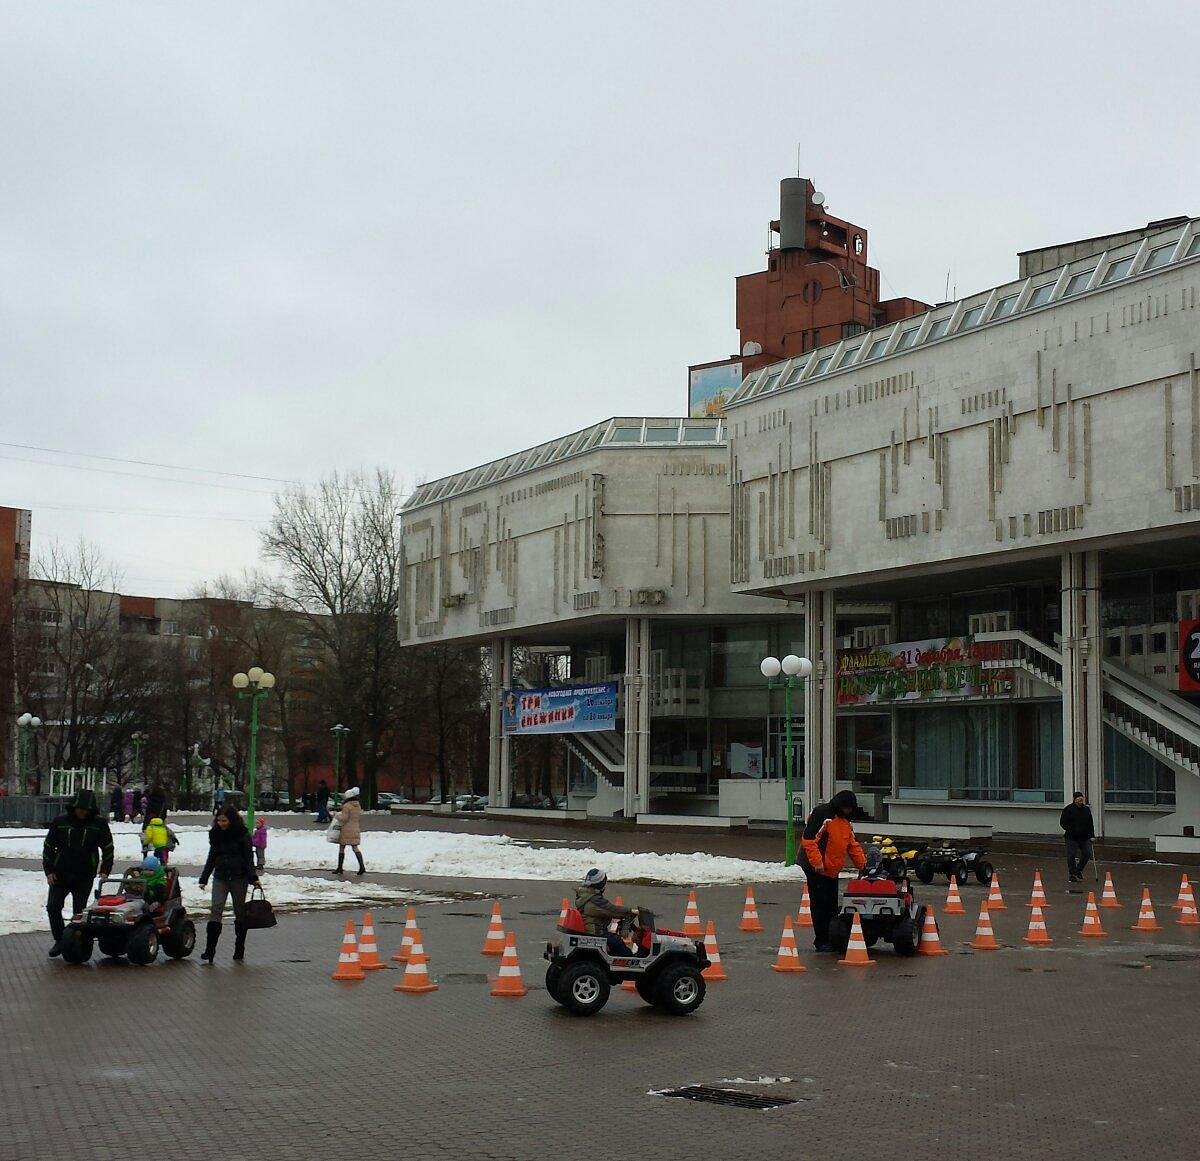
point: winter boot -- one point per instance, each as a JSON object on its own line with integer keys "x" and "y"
{"x": 362, "y": 867}
{"x": 341, "y": 860}
{"x": 212, "y": 933}
{"x": 239, "y": 942}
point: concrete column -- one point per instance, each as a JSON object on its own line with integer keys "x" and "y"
{"x": 820, "y": 643}
{"x": 637, "y": 716}
{"x": 505, "y": 743}
{"x": 1082, "y": 645}
{"x": 495, "y": 722}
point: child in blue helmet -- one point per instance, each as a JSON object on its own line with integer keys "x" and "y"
{"x": 155, "y": 877}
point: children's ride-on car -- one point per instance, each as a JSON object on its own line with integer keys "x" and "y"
{"x": 885, "y": 907}
{"x": 664, "y": 966}
{"x": 125, "y": 923}
{"x": 956, "y": 864}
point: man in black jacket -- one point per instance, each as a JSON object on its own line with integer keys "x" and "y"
{"x": 77, "y": 844}
{"x": 1079, "y": 830}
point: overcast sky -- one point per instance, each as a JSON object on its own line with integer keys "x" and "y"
{"x": 284, "y": 238}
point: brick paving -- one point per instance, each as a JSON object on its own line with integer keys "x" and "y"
{"x": 1085, "y": 1050}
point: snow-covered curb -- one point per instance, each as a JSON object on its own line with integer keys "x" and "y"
{"x": 23, "y": 897}
{"x": 454, "y": 855}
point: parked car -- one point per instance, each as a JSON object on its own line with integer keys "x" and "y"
{"x": 387, "y": 799}
{"x": 470, "y": 802}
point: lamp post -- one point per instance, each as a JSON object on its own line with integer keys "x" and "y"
{"x": 339, "y": 731}
{"x": 138, "y": 738}
{"x": 794, "y": 670}
{"x": 27, "y": 723}
{"x": 263, "y": 683}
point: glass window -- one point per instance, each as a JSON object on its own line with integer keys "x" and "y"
{"x": 627, "y": 435}
{"x": 698, "y": 434}
{"x": 1117, "y": 270}
{"x": 771, "y": 383}
{"x": 939, "y": 328}
{"x": 1133, "y": 776}
{"x": 823, "y": 364}
{"x": 1194, "y": 248}
{"x": 1078, "y": 282}
{"x": 876, "y": 348}
{"x": 848, "y": 356}
{"x": 971, "y": 317}
{"x": 1159, "y": 256}
{"x": 1004, "y": 307}
{"x": 795, "y": 373}
{"x": 1040, "y": 295}
{"x": 662, "y": 434}
{"x": 907, "y": 338}
{"x": 737, "y": 652}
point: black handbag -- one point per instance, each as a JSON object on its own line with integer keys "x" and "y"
{"x": 258, "y": 912}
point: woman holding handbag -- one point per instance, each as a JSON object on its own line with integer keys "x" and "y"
{"x": 346, "y": 830}
{"x": 230, "y": 864}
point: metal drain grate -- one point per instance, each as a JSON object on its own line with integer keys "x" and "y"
{"x": 727, "y": 1096}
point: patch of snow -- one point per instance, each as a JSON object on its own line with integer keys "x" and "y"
{"x": 450, "y": 854}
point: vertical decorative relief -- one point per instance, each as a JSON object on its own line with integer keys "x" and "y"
{"x": 597, "y": 540}
{"x": 1194, "y": 383}
{"x": 1087, "y": 452}
{"x": 1168, "y": 436}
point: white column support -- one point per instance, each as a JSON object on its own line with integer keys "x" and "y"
{"x": 1083, "y": 720}
{"x": 504, "y": 746}
{"x": 637, "y": 716}
{"x": 820, "y": 643}
{"x": 495, "y": 722}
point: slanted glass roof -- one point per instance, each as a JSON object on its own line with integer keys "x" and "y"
{"x": 621, "y": 433}
{"x": 1084, "y": 276}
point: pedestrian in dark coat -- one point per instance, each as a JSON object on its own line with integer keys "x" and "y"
{"x": 156, "y": 803}
{"x": 230, "y": 864}
{"x": 78, "y": 844}
{"x": 1078, "y": 829}
{"x": 322, "y": 801}
{"x": 116, "y": 803}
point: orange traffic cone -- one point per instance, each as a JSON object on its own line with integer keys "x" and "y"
{"x": 368, "y": 950}
{"x": 1037, "y": 932}
{"x": 931, "y": 941}
{"x": 985, "y": 937}
{"x": 510, "y": 982}
{"x": 348, "y": 966}
{"x": 954, "y": 904}
{"x": 995, "y": 900}
{"x": 410, "y": 925}
{"x": 1184, "y": 888}
{"x": 1091, "y": 919}
{"x": 562, "y": 911}
{"x": 691, "y": 918}
{"x": 1108, "y": 897}
{"x": 1147, "y": 920}
{"x": 856, "y": 950}
{"x": 715, "y": 972}
{"x": 788, "y": 959}
{"x": 804, "y": 915}
{"x": 750, "y": 920}
{"x": 1037, "y": 897}
{"x": 1187, "y": 913}
{"x": 416, "y": 971}
{"x": 493, "y": 944}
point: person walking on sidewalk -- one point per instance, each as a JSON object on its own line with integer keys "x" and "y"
{"x": 230, "y": 863}
{"x": 1078, "y": 829}
{"x": 322, "y": 801}
{"x": 258, "y": 840}
{"x": 828, "y": 839}
{"x": 116, "y": 803}
{"x": 77, "y": 844}
{"x": 350, "y": 829}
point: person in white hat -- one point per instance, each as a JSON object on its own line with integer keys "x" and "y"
{"x": 349, "y": 829}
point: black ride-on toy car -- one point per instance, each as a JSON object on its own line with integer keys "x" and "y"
{"x": 886, "y": 908}
{"x": 124, "y": 923}
{"x": 665, "y": 967}
{"x": 953, "y": 862}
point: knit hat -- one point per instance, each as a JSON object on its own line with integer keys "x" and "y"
{"x": 595, "y": 878}
{"x": 353, "y": 792}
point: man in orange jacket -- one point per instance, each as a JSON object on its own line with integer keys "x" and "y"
{"x": 828, "y": 839}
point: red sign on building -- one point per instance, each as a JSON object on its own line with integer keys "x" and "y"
{"x": 1189, "y": 656}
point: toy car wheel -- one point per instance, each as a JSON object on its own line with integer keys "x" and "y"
{"x": 839, "y": 933}
{"x": 181, "y": 941}
{"x": 76, "y": 947}
{"x": 584, "y": 989}
{"x": 112, "y": 946}
{"x": 904, "y": 936}
{"x": 143, "y": 944}
{"x": 870, "y": 936}
{"x": 646, "y": 989}
{"x": 958, "y": 872}
{"x": 983, "y": 871}
{"x": 924, "y": 871}
{"x": 680, "y": 989}
{"x": 897, "y": 866}
{"x": 553, "y": 978}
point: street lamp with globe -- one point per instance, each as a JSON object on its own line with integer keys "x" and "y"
{"x": 253, "y": 685}
{"x": 788, "y": 675}
{"x": 27, "y": 725}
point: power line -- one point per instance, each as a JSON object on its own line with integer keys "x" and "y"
{"x": 137, "y": 475}
{"x": 148, "y": 513}
{"x": 149, "y": 463}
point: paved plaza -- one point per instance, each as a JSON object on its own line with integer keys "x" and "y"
{"x": 1084, "y": 1050}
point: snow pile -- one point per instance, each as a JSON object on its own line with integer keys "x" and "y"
{"x": 450, "y": 854}
{"x": 23, "y": 897}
